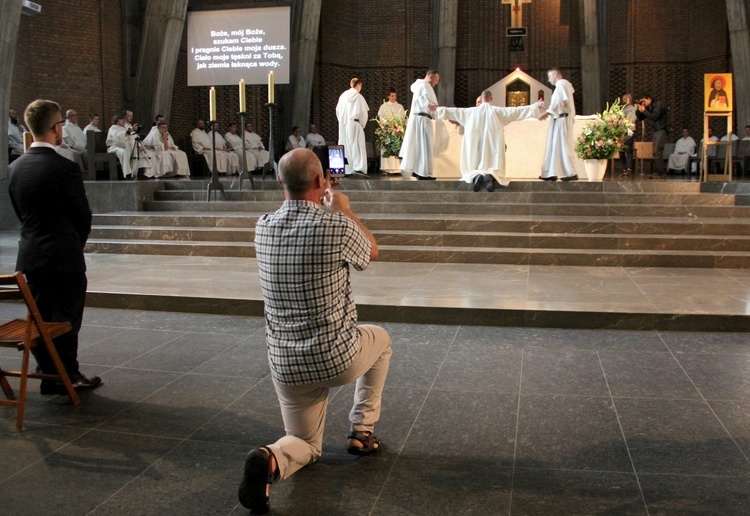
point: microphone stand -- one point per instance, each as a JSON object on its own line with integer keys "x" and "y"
{"x": 243, "y": 168}
{"x": 270, "y": 166}
{"x": 215, "y": 184}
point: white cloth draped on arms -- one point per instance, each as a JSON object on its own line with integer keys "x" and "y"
{"x": 417, "y": 150}
{"x": 558, "y": 155}
{"x": 351, "y": 112}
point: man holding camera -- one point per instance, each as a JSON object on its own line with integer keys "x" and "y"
{"x": 655, "y": 112}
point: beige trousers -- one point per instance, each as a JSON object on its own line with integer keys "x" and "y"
{"x": 303, "y": 407}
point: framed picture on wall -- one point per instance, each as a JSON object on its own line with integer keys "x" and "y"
{"x": 718, "y": 91}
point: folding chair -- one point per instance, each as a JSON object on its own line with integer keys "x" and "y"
{"x": 24, "y": 335}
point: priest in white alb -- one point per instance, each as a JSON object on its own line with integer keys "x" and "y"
{"x": 417, "y": 150}
{"x": 389, "y": 110}
{"x": 351, "y": 112}
{"x": 203, "y": 143}
{"x": 559, "y": 152}
{"x": 72, "y": 134}
{"x": 314, "y": 138}
{"x": 483, "y": 146}
{"x": 683, "y": 149}
{"x": 255, "y": 144}
{"x": 234, "y": 141}
{"x": 121, "y": 142}
{"x": 172, "y": 160}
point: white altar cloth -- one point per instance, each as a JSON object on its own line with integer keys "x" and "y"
{"x": 525, "y": 142}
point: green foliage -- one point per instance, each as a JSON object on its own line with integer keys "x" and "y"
{"x": 389, "y": 135}
{"x": 606, "y": 135}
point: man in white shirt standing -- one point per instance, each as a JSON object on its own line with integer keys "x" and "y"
{"x": 683, "y": 149}
{"x": 313, "y": 139}
{"x": 417, "y": 151}
{"x": 255, "y": 145}
{"x": 351, "y": 112}
{"x": 72, "y": 134}
{"x": 235, "y": 142}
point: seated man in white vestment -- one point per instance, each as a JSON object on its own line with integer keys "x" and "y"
{"x": 15, "y": 134}
{"x": 255, "y": 144}
{"x": 313, "y": 138}
{"x": 172, "y": 161}
{"x": 295, "y": 140}
{"x": 483, "y": 146}
{"x": 234, "y": 141}
{"x": 93, "y": 124}
{"x": 683, "y": 149}
{"x": 203, "y": 143}
{"x": 129, "y": 151}
{"x": 155, "y": 127}
{"x": 72, "y": 134}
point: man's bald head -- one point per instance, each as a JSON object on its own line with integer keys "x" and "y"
{"x": 298, "y": 170}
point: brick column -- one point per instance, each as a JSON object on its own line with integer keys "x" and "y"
{"x": 591, "y": 66}
{"x": 163, "y": 25}
{"x": 9, "y": 22}
{"x": 446, "y": 30}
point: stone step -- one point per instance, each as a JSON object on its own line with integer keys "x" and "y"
{"x": 479, "y": 222}
{"x": 505, "y": 197}
{"x": 479, "y": 255}
{"x": 451, "y": 208}
{"x": 455, "y": 239}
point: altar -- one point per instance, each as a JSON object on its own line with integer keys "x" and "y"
{"x": 525, "y": 143}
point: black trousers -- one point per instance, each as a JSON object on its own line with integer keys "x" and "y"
{"x": 60, "y": 298}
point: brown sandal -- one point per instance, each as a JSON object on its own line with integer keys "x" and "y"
{"x": 370, "y": 444}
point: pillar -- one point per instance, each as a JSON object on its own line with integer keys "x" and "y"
{"x": 591, "y": 67}
{"x": 739, "y": 39}
{"x": 445, "y": 31}
{"x": 9, "y": 23}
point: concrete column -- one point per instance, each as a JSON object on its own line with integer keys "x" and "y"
{"x": 9, "y": 23}
{"x": 305, "y": 26}
{"x": 591, "y": 71}
{"x": 445, "y": 34}
{"x": 163, "y": 25}
{"x": 739, "y": 38}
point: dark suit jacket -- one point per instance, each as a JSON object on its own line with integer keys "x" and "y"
{"x": 49, "y": 198}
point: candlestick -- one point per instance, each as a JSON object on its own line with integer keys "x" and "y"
{"x": 212, "y": 103}
{"x": 242, "y": 96}
{"x": 270, "y": 87}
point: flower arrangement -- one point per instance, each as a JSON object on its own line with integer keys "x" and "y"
{"x": 389, "y": 134}
{"x": 606, "y": 135}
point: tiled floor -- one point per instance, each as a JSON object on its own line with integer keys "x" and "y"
{"x": 476, "y": 420}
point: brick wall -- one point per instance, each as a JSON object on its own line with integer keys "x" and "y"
{"x": 71, "y": 53}
{"x": 658, "y": 47}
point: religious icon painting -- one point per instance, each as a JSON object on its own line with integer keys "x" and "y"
{"x": 718, "y": 91}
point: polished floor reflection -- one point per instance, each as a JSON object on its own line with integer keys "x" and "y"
{"x": 478, "y": 420}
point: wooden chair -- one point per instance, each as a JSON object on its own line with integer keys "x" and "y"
{"x": 24, "y": 335}
{"x": 96, "y": 152}
{"x": 643, "y": 151}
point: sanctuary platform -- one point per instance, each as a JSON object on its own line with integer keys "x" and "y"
{"x": 671, "y": 255}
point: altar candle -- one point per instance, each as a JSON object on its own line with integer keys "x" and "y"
{"x": 242, "y": 96}
{"x": 212, "y": 104}
{"x": 270, "y": 87}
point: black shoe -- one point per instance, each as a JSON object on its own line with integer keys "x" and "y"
{"x": 81, "y": 383}
{"x": 253, "y": 491}
{"x": 489, "y": 183}
{"x": 574, "y": 177}
{"x": 422, "y": 178}
{"x": 550, "y": 178}
{"x": 478, "y": 182}
{"x": 51, "y": 387}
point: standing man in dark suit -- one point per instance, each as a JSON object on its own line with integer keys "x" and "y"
{"x": 49, "y": 198}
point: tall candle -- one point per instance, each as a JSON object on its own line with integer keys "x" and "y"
{"x": 270, "y": 87}
{"x": 212, "y": 104}
{"x": 243, "y": 105}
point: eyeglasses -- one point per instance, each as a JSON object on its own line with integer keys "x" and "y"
{"x": 57, "y": 123}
